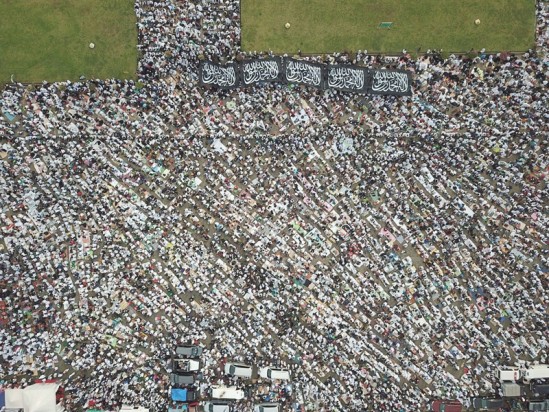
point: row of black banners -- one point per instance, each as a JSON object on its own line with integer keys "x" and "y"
{"x": 286, "y": 70}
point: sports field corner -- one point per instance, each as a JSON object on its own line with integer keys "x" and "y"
{"x": 49, "y": 40}
{"x": 325, "y": 26}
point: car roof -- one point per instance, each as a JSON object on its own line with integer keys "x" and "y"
{"x": 541, "y": 388}
{"x": 191, "y": 347}
{"x": 450, "y": 405}
{"x": 267, "y": 405}
{"x": 488, "y": 402}
{"x": 239, "y": 364}
{"x": 182, "y": 377}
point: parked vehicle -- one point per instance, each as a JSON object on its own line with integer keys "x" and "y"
{"x": 267, "y": 407}
{"x": 185, "y": 365}
{"x": 187, "y": 407}
{"x": 540, "y": 389}
{"x": 271, "y": 372}
{"x": 539, "y": 405}
{"x": 487, "y": 404}
{"x": 446, "y": 405}
{"x": 509, "y": 374}
{"x": 189, "y": 351}
{"x": 184, "y": 395}
{"x": 536, "y": 372}
{"x": 514, "y": 374}
{"x": 511, "y": 389}
{"x": 238, "y": 369}
{"x": 217, "y": 406}
{"x": 227, "y": 392}
{"x": 182, "y": 379}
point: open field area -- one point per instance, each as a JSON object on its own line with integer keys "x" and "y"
{"x": 48, "y": 40}
{"x": 319, "y": 26}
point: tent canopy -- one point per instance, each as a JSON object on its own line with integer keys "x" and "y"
{"x": 14, "y": 398}
{"x": 40, "y": 397}
{"x": 133, "y": 408}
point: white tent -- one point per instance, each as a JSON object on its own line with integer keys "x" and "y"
{"x": 14, "y": 398}
{"x": 133, "y": 408}
{"x": 40, "y": 397}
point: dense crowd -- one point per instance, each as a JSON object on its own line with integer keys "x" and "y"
{"x": 388, "y": 250}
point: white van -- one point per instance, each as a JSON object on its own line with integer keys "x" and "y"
{"x": 238, "y": 369}
{"x": 217, "y": 406}
{"x": 509, "y": 374}
{"x": 536, "y": 372}
{"x": 227, "y": 392}
{"x": 271, "y": 372}
{"x": 514, "y": 374}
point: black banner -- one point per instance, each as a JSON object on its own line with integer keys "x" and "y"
{"x": 265, "y": 70}
{"x": 390, "y": 82}
{"x": 347, "y": 78}
{"x": 304, "y": 72}
{"x": 223, "y": 77}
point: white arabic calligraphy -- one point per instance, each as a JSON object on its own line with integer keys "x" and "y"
{"x": 386, "y": 81}
{"x": 346, "y": 78}
{"x": 261, "y": 70}
{"x": 218, "y": 75}
{"x": 299, "y": 72}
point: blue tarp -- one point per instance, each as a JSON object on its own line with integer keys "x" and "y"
{"x": 179, "y": 395}
{"x": 2, "y": 398}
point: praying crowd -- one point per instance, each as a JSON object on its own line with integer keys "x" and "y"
{"x": 387, "y": 250}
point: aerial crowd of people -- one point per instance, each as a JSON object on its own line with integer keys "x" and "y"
{"x": 388, "y": 250}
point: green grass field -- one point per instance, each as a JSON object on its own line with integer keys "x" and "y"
{"x": 320, "y": 26}
{"x": 48, "y": 39}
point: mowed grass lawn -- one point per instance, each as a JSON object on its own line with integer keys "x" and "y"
{"x": 49, "y": 40}
{"x": 320, "y": 26}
